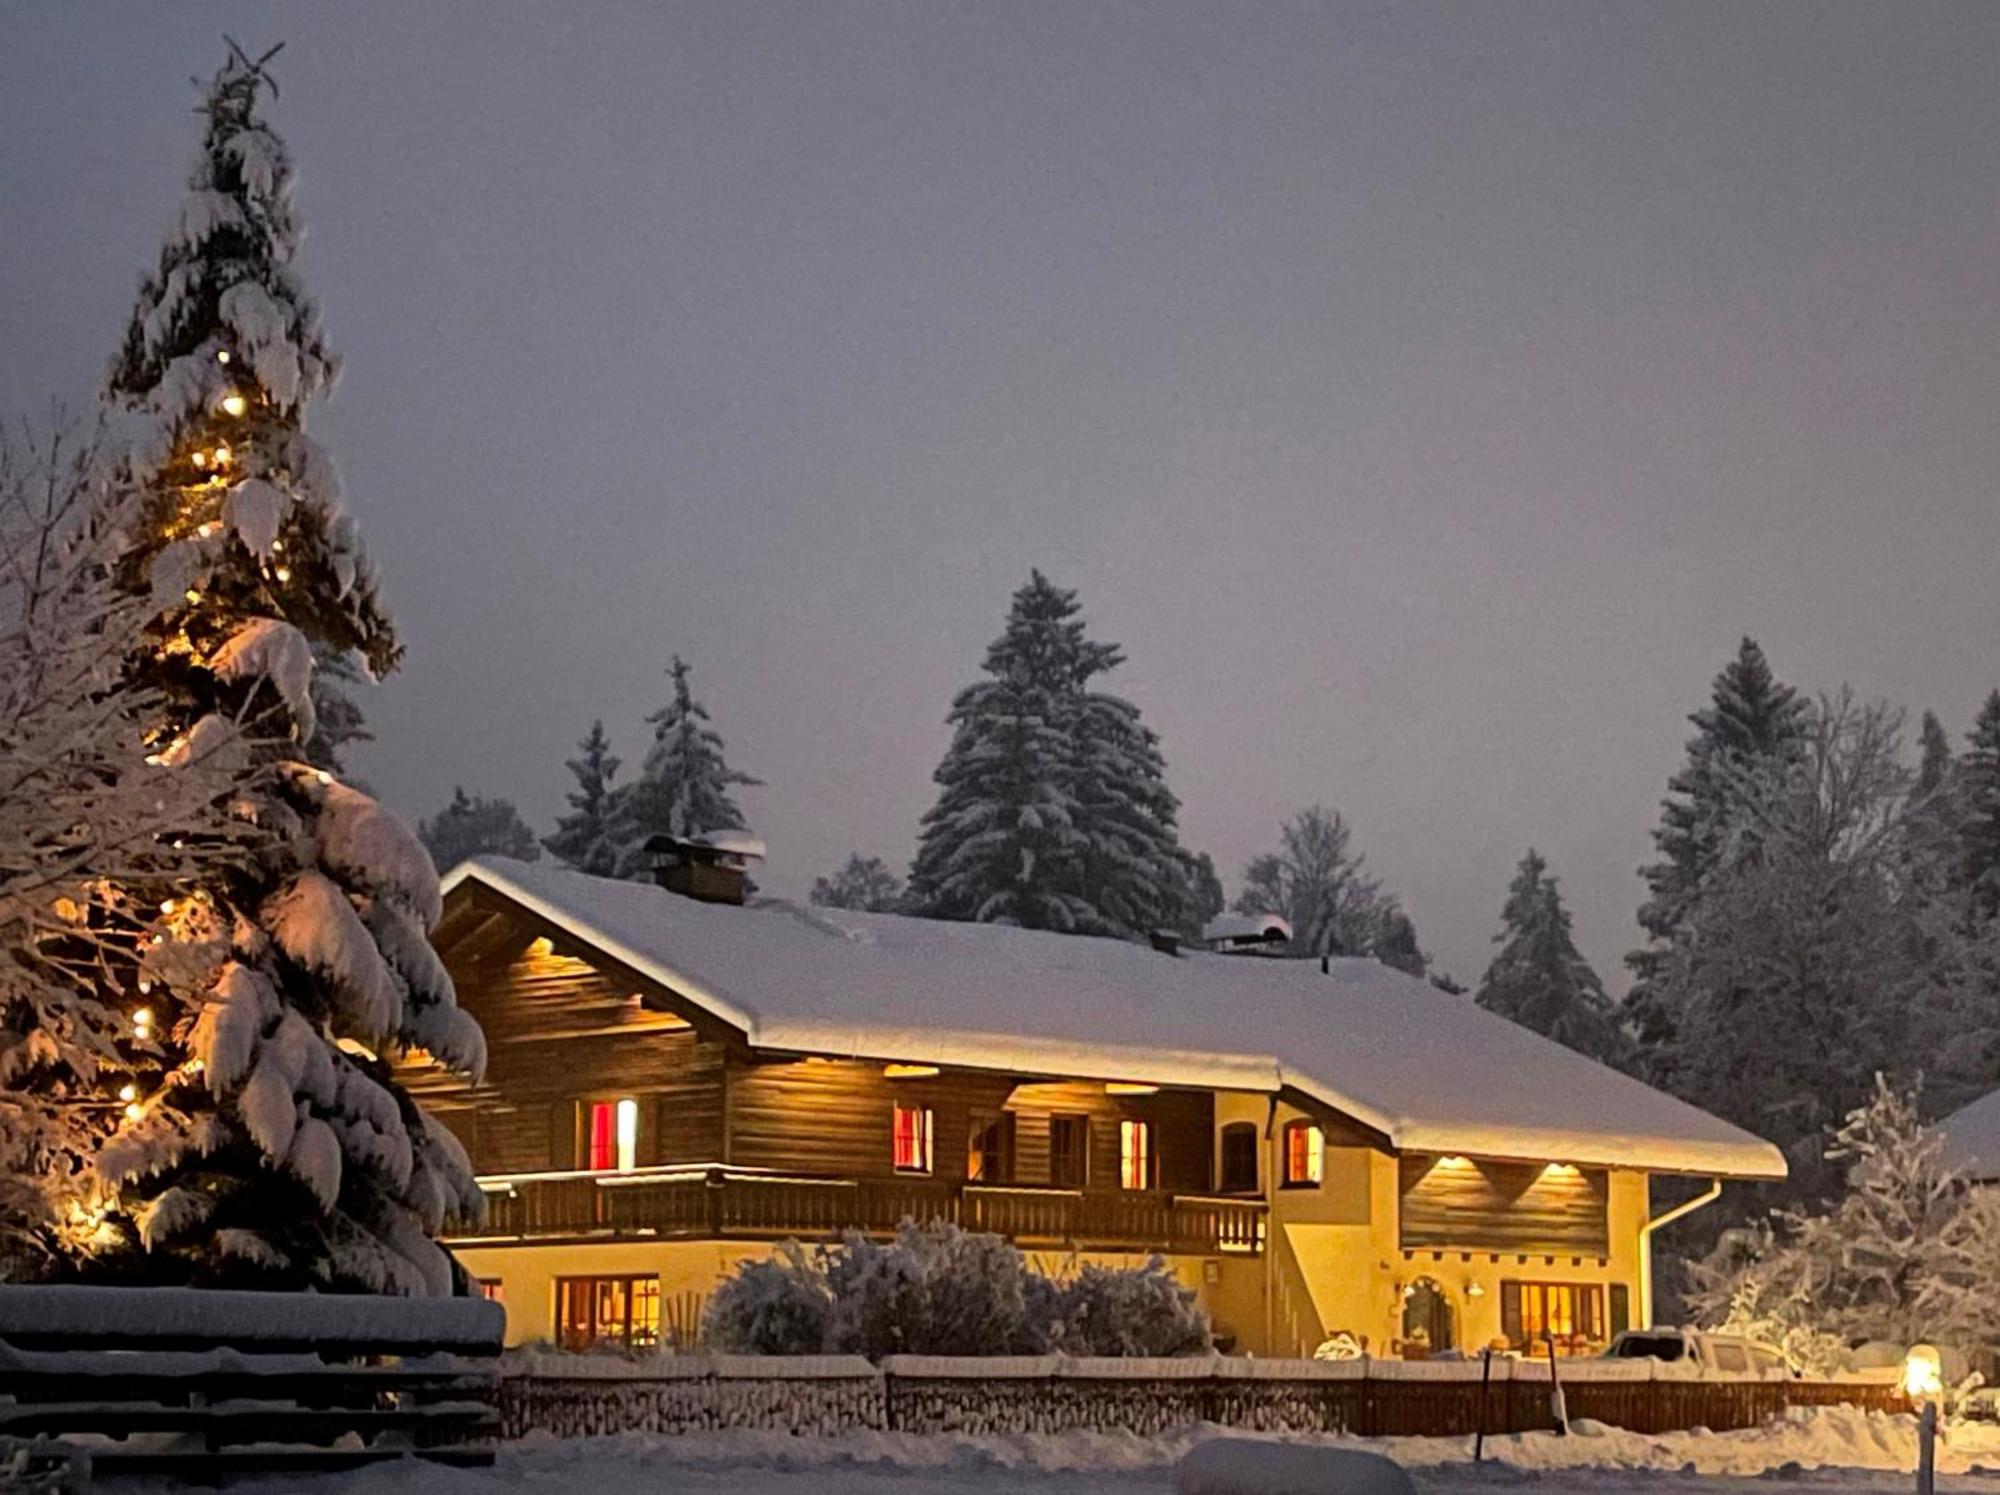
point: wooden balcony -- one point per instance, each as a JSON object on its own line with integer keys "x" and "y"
{"x": 725, "y": 1204}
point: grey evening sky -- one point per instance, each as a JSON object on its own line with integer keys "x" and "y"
{"x": 1426, "y": 396}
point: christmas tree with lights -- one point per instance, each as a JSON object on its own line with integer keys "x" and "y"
{"x": 269, "y": 1145}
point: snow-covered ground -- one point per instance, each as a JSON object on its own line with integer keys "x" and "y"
{"x": 1835, "y": 1448}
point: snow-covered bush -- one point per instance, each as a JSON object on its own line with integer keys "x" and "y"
{"x": 778, "y": 1306}
{"x": 1128, "y": 1311}
{"x": 938, "y": 1290}
{"x": 1905, "y": 1252}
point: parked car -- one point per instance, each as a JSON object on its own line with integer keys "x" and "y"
{"x": 1725, "y": 1354}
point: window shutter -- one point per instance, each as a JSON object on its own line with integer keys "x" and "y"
{"x": 1621, "y": 1309}
{"x": 1510, "y": 1312}
{"x": 564, "y": 1123}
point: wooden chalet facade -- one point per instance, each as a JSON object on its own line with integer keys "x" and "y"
{"x": 641, "y": 1128}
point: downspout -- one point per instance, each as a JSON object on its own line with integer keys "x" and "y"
{"x": 1709, "y": 1196}
{"x": 1271, "y": 1227}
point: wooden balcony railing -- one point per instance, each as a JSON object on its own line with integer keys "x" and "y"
{"x": 722, "y": 1203}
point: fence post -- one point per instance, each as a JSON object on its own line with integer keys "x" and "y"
{"x": 1927, "y": 1449}
{"x": 1485, "y": 1380}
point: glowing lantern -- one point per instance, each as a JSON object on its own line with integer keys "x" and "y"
{"x": 1923, "y": 1373}
{"x": 234, "y": 404}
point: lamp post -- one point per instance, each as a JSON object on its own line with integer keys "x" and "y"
{"x": 1923, "y": 1383}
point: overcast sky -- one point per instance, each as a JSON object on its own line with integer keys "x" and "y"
{"x": 1427, "y": 397}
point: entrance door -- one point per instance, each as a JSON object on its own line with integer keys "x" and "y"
{"x": 1427, "y": 1320}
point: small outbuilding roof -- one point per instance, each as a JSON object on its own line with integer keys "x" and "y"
{"x": 1972, "y": 1138}
{"x": 1427, "y": 1069}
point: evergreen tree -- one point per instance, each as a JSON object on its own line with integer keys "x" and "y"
{"x": 683, "y": 785}
{"x": 473, "y": 826}
{"x": 1052, "y": 810}
{"x": 1315, "y": 882}
{"x": 586, "y": 837}
{"x": 1204, "y": 900}
{"x": 269, "y": 1146}
{"x": 1540, "y": 979}
{"x": 1751, "y": 718}
{"x": 337, "y": 718}
{"x": 1977, "y": 782}
{"x": 863, "y": 883}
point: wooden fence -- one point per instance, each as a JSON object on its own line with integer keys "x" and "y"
{"x": 197, "y": 1385}
{"x": 586, "y": 1395}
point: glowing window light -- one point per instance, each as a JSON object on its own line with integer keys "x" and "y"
{"x": 234, "y": 404}
{"x": 628, "y": 1135}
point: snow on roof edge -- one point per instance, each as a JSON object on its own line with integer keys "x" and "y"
{"x": 694, "y": 990}
{"x": 1751, "y": 1158}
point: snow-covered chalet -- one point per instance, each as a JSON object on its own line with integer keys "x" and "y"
{"x": 680, "y": 1079}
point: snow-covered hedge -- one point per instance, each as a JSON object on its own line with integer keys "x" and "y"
{"x": 939, "y": 1290}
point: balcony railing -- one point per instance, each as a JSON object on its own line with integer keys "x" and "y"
{"x": 723, "y": 1203}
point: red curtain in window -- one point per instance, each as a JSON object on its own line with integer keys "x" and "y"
{"x": 603, "y": 1135}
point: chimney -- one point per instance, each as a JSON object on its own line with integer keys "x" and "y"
{"x": 714, "y": 868}
{"x": 1165, "y": 941}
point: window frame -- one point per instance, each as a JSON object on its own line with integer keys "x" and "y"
{"x": 1062, "y": 1121}
{"x": 1313, "y": 1162}
{"x": 1136, "y": 1146}
{"x": 1532, "y": 1302}
{"x": 997, "y": 1163}
{"x": 635, "y": 1328}
{"x": 1226, "y": 1183}
{"x": 921, "y": 1138}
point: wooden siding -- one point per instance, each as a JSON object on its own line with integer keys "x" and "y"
{"x": 831, "y": 1116}
{"x": 1526, "y": 1208}
{"x": 558, "y": 1031}
{"x": 1183, "y": 1132}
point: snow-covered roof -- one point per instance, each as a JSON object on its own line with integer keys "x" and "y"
{"x": 1229, "y": 928}
{"x": 1426, "y": 1068}
{"x": 1972, "y": 1138}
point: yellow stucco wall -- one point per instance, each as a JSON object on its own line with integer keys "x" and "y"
{"x": 1333, "y": 1261}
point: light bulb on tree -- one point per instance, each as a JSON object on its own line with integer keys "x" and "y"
{"x": 234, "y": 404}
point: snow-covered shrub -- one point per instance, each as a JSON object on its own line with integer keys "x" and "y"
{"x": 778, "y": 1306}
{"x": 934, "y": 1290}
{"x": 1904, "y": 1252}
{"x": 1129, "y": 1311}
{"x": 938, "y": 1290}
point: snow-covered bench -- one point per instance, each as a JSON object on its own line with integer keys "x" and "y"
{"x": 197, "y": 1384}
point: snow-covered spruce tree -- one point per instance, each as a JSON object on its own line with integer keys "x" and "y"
{"x": 584, "y": 838}
{"x": 337, "y": 718}
{"x": 1052, "y": 808}
{"x": 1203, "y": 900}
{"x": 1539, "y": 978}
{"x": 1793, "y": 973}
{"x": 1315, "y": 882}
{"x": 863, "y": 883}
{"x": 1751, "y": 718}
{"x": 1977, "y": 784}
{"x": 277, "y": 1149}
{"x": 104, "y": 846}
{"x": 683, "y": 784}
{"x": 473, "y": 825}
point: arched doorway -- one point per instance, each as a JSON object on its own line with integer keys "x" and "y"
{"x": 1429, "y": 1325}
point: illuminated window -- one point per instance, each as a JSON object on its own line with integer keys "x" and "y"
{"x": 912, "y": 1133}
{"x": 1568, "y": 1314}
{"x": 608, "y": 1310}
{"x": 610, "y": 1136}
{"x": 492, "y": 1289}
{"x": 1305, "y": 1155}
{"x": 1135, "y": 1154}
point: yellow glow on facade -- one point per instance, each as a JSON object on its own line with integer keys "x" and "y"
{"x": 1121, "y": 1087}
{"x": 908, "y": 1071}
